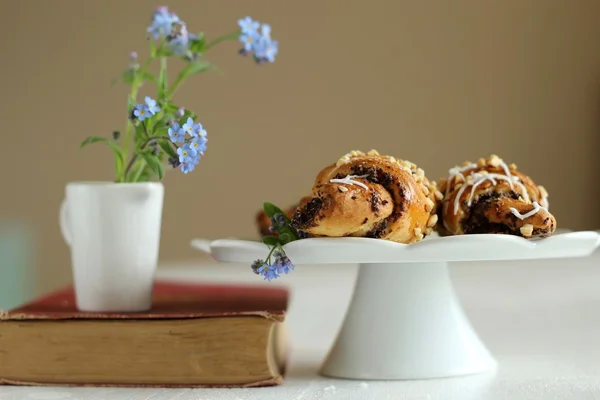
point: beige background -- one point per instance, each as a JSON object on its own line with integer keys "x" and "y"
{"x": 435, "y": 82}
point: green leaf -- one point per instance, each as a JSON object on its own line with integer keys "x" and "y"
{"x": 285, "y": 238}
{"x": 117, "y": 151}
{"x": 154, "y": 164}
{"x": 163, "y": 52}
{"x": 167, "y": 148}
{"x": 129, "y": 76}
{"x": 92, "y": 139}
{"x": 146, "y": 174}
{"x": 198, "y": 44}
{"x": 196, "y": 68}
{"x": 140, "y": 135}
{"x": 162, "y": 82}
{"x": 149, "y": 77}
{"x": 119, "y": 157}
{"x": 271, "y": 209}
{"x": 270, "y": 240}
{"x": 136, "y": 170}
{"x": 169, "y": 108}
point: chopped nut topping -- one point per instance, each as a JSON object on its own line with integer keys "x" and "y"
{"x": 429, "y": 204}
{"x": 432, "y": 220}
{"x": 494, "y": 160}
{"x": 526, "y": 230}
{"x": 342, "y": 189}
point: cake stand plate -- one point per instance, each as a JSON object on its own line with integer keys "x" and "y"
{"x": 404, "y": 320}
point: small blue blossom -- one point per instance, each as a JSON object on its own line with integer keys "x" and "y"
{"x": 248, "y": 25}
{"x": 257, "y": 42}
{"x": 162, "y": 23}
{"x": 256, "y": 265}
{"x": 151, "y": 105}
{"x": 199, "y": 144}
{"x": 188, "y": 127}
{"x": 271, "y": 50}
{"x": 282, "y": 263}
{"x": 187, "y": 154}
{"x": 176, "y": 134}
{"x": 198, "y": 130}
{"x": 265, "y": 31}
{"x": 187, "y": 167}
{"x": 266, "y": 50}
{"x": 141, "y": 112}
{"x": 269, "y": 272}
{"x": 180, "y": 112}
{"x": 249, "y": 40}
{"x": 179, "y": 42}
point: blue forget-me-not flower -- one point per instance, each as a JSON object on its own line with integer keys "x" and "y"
{"x": 141, "y": 112}
{"x": 248, "y": 25}
{"x": 163, "y": 22}
{"x": 176, "y": 133}
{"x": 151, "y": 105}
{"x": 257, "y": 42}
{"x": 269, "y": 272}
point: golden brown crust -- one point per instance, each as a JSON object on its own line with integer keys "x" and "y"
{"x": 370, "y": 196}
{"x": 492, "y": 197}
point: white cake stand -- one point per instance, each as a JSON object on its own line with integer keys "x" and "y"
{"x": 404, "y": 320}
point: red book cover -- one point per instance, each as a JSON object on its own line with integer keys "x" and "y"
{"x": 170, "y": 300}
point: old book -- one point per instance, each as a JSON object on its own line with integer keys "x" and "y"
{"x": 194, "y": 336}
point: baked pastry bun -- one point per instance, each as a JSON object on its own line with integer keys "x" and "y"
{"x": 492, "y": 197}
{"x": 370, "y": 195}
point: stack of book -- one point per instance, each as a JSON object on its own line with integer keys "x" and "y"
{"x": 194, "y": 336}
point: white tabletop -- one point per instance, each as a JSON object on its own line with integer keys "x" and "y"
{"x": 541, "y": 320}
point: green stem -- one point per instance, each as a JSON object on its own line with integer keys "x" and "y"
{"x": 135, "y": 156}
{"x": 175, "y": 85}
{"x": 145, "y": 130}
{"x": 162, "y": 80}
{"x": 230, "y": 36}
{"x": 139, "y": 171}
{"x": 135, "y": 87}
{"x": 268, "y": 260}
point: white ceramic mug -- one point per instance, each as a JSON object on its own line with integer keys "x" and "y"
{"x": 113, "y": 230}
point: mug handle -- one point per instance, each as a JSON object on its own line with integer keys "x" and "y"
{"x": 63, "y": 220}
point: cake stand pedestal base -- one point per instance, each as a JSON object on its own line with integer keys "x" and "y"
{"x": 405, "y": 322}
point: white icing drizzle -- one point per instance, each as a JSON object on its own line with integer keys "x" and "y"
{"x": 507, "y": 172}
{"x": 536, "y": 209}
{"x": 457, "y": 171}
{"x": 478, "y": 178}
{"x": 348, "y": 180}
